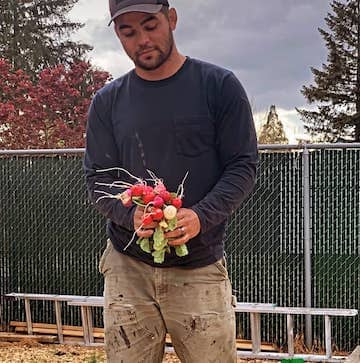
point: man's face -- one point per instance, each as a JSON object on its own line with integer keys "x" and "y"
{"x": 147, "y": 38}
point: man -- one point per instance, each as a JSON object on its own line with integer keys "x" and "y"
{"x": 171, "y": 114}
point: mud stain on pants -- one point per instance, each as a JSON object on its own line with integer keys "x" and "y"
{"x": 124, "y": 337}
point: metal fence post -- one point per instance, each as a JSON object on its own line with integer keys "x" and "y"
{"x": 307, "y": 244}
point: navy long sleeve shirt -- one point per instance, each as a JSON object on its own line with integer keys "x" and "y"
{"x": 198, "y": 121}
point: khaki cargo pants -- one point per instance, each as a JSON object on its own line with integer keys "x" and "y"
{"x": 143, "y": 303}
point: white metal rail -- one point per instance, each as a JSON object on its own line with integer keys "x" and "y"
{"x": 86, "y": 303}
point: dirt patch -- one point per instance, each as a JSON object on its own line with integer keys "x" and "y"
{"x": 32, "y": 352}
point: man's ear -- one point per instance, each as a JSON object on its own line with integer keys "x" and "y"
{"x": 172, "y": 18}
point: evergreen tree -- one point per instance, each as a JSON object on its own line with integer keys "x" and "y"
{"x": 35, "y": 34}
{"x": 272, "y": 132}
{"x": 337, "y": 85}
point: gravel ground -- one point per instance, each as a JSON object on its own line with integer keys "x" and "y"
{"x": 30, "y": 352}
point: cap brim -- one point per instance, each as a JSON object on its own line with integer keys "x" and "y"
{"x": 141, "y": 8}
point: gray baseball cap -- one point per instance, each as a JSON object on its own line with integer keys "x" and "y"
{"x": 118, "y": 7}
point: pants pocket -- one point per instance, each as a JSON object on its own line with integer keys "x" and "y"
{"x": 104, "y": 255}
{"x": 123, "y": 330}
{"x": 210, "y": 337}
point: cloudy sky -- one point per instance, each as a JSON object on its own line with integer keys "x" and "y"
{"x": 269, "y": 44}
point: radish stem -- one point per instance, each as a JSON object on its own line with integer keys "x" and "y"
{"x": 121, "y": 169}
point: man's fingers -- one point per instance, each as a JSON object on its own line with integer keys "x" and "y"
{"x": 145, "y": 233}
{"x": 178, "y": 236}
{"x": 178, "y": 241}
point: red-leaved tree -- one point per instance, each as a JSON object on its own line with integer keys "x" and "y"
{"x": 48, "y": 113}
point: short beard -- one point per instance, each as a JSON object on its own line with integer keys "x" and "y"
{"x": 160, "y": 59}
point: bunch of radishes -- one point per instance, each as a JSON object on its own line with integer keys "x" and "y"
{"x": 160, "y": 206}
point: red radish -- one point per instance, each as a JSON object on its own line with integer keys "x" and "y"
{"x": 165, "y": 195}
{"x": 157, "y": 214}
{"x": 137, "y": 190}
{"x": 148, "y": 197}
{"x": 125, "y": 198}
{"x": 158, "y": 201}
{"x": 159, "y": 188}
{"x": 148, "y": 189}
{"x": 128, "y": 204}
{"x": 147, "y": 219}
{"x": 160, "y": 211}
{"x": 177, "y": 203}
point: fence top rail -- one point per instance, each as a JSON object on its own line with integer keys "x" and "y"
{"x": 349, "y": 145}
{"x": 32, "y": 152}
{"x": 80, "y": 151}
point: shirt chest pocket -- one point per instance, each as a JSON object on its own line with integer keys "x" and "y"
{"x": 194, "y": 135}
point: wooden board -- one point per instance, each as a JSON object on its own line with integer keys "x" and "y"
{"x": 240, "y": 344}
{"x": 77, "y": 332}
{"x": 11, "y": 337}
{"x": 52, "y": 326}
{"x": 68, "y": 332}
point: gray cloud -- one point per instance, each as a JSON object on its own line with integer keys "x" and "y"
{"x": 269, "y": 44}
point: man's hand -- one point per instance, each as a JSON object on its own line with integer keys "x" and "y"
{"x": 145, "y": 231}
{"x": 187, "y": 227}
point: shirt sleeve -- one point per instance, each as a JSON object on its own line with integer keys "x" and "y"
{"x": 237, "y": 149}
{"x": 102, "y": 153}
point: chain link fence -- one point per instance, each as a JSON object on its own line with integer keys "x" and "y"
{"x": 264, "y": 243}
{"x": 51, "y": 237}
